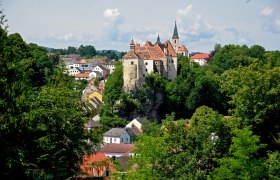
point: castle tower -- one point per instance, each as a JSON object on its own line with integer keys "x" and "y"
{"x": 175, "y": 39}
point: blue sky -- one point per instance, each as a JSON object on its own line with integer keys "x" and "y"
{"x": 110, "y": 24}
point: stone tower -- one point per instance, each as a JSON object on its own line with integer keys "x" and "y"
{"x": 175, "y": 39}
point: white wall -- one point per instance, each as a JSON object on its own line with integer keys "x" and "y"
{"x": 135, "y": 123}
{"x": 149, "y": 65}
{"x": 201, "y": 62}
{"x": 124, "y": 138}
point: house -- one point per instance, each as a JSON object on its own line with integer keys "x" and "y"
{"x": 117, "y": 150}
{"x": 95, "y": 74}
{"x": 151, "y": 58}
{"x": 96, "y": 118}
{"x": 72, "y": 57}
{"x": 90, "y": 125}
{"x": 133, "y": 132}
{"x": 137, "y": 122}
{"x": 83, "y": 65}
{"x": 201, "y": 59}
{"x": 94, "y": 102}
{"x": 182, "y": 50}
{"x": 95, "y": 94}
{"x": 96, "y": 166}
{"x": 103, "y": 70}
{"x": 111, "y": 66}
{"x": 73, "y": 71}
{"x": 117, "y": 136}
{"x": 82, "y": 76}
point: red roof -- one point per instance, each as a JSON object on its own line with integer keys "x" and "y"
{"x": 117, "y": 148}
{"x": 82, "y": 75}
{"x": 101, "y": 86}
{"x": 151, "y": 52}
{"x": 95, "y": 165}
{"x": 182, "y": 48}
{"x": 201, "y": 56}
{"x": 130, "y": 55}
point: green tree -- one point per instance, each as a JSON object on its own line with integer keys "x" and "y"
{"x": 113, "y": 86}
{"x": 187, "y": 147}
{"x": 41, "y": 119}
{"x": 273, "y": 165}
{"x": 87, "y": 51}
{"x": 242, "y": 162}
{"x": 149, "y": 151}
{"x": 254, "y": 93}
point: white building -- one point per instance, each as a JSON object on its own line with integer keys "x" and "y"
{"x": 73, "y": 71}
{"x": 116, "y": 136}
{"x": 102, "y": 69}
{"x": 201, "y": 59}
{"x": 82, "y": 65}
{"x": 137, "y": 122}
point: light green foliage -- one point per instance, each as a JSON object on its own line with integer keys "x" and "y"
{"x": 242, "y": 162}
{"x": 149, "y": 151}
{"x": 273, "y": 165}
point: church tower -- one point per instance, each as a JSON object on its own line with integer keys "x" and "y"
{"x": 175, "y": 39}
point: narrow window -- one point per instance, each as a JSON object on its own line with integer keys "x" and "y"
{"x": 146, "y": 63}
{"x": 132, "y": 62}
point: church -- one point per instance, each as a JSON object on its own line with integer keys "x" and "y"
{"x": 160, "y": 57}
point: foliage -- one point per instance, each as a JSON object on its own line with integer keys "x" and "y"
{"x": 195, "y": 86}
{"x": 41, "y": 119}
{"x": 242, "y": 162}
{"x": 113, "y": 86}
{"x": 149, "y": 151}
{"x": 87, "y": 51}
{"x": 255, "y": 96}
{"x": 273, "y": 165}
{"x": 187, "y": 151}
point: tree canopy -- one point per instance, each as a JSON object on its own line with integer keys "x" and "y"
{"x": 41, "y": 119}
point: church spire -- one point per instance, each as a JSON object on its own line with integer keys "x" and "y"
{"x": 158, "y": 39}
{"x": 175, "y": 33}
{"x": 132, "y": 44}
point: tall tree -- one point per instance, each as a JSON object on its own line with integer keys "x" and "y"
{"x": 41, "y": 119}
{"x": 242, "y": 162}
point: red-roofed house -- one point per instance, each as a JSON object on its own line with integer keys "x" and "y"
{"x": 182, "y": 50}
{"x": 96, "y": 165}
{"x": 82, "y": 76}
{"x": 201, "y": 59}
{"x": 117, "y": 150}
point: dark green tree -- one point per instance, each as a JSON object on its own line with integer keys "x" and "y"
{"x": 41, "y": 119}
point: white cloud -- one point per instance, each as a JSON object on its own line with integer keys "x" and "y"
{"x": 111, "y": 13}
{"x": 185, "y": 11}
{"x": 266, "y": 11}
{"x": 277, "y": 24}
{"x": 66, "y": 37}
